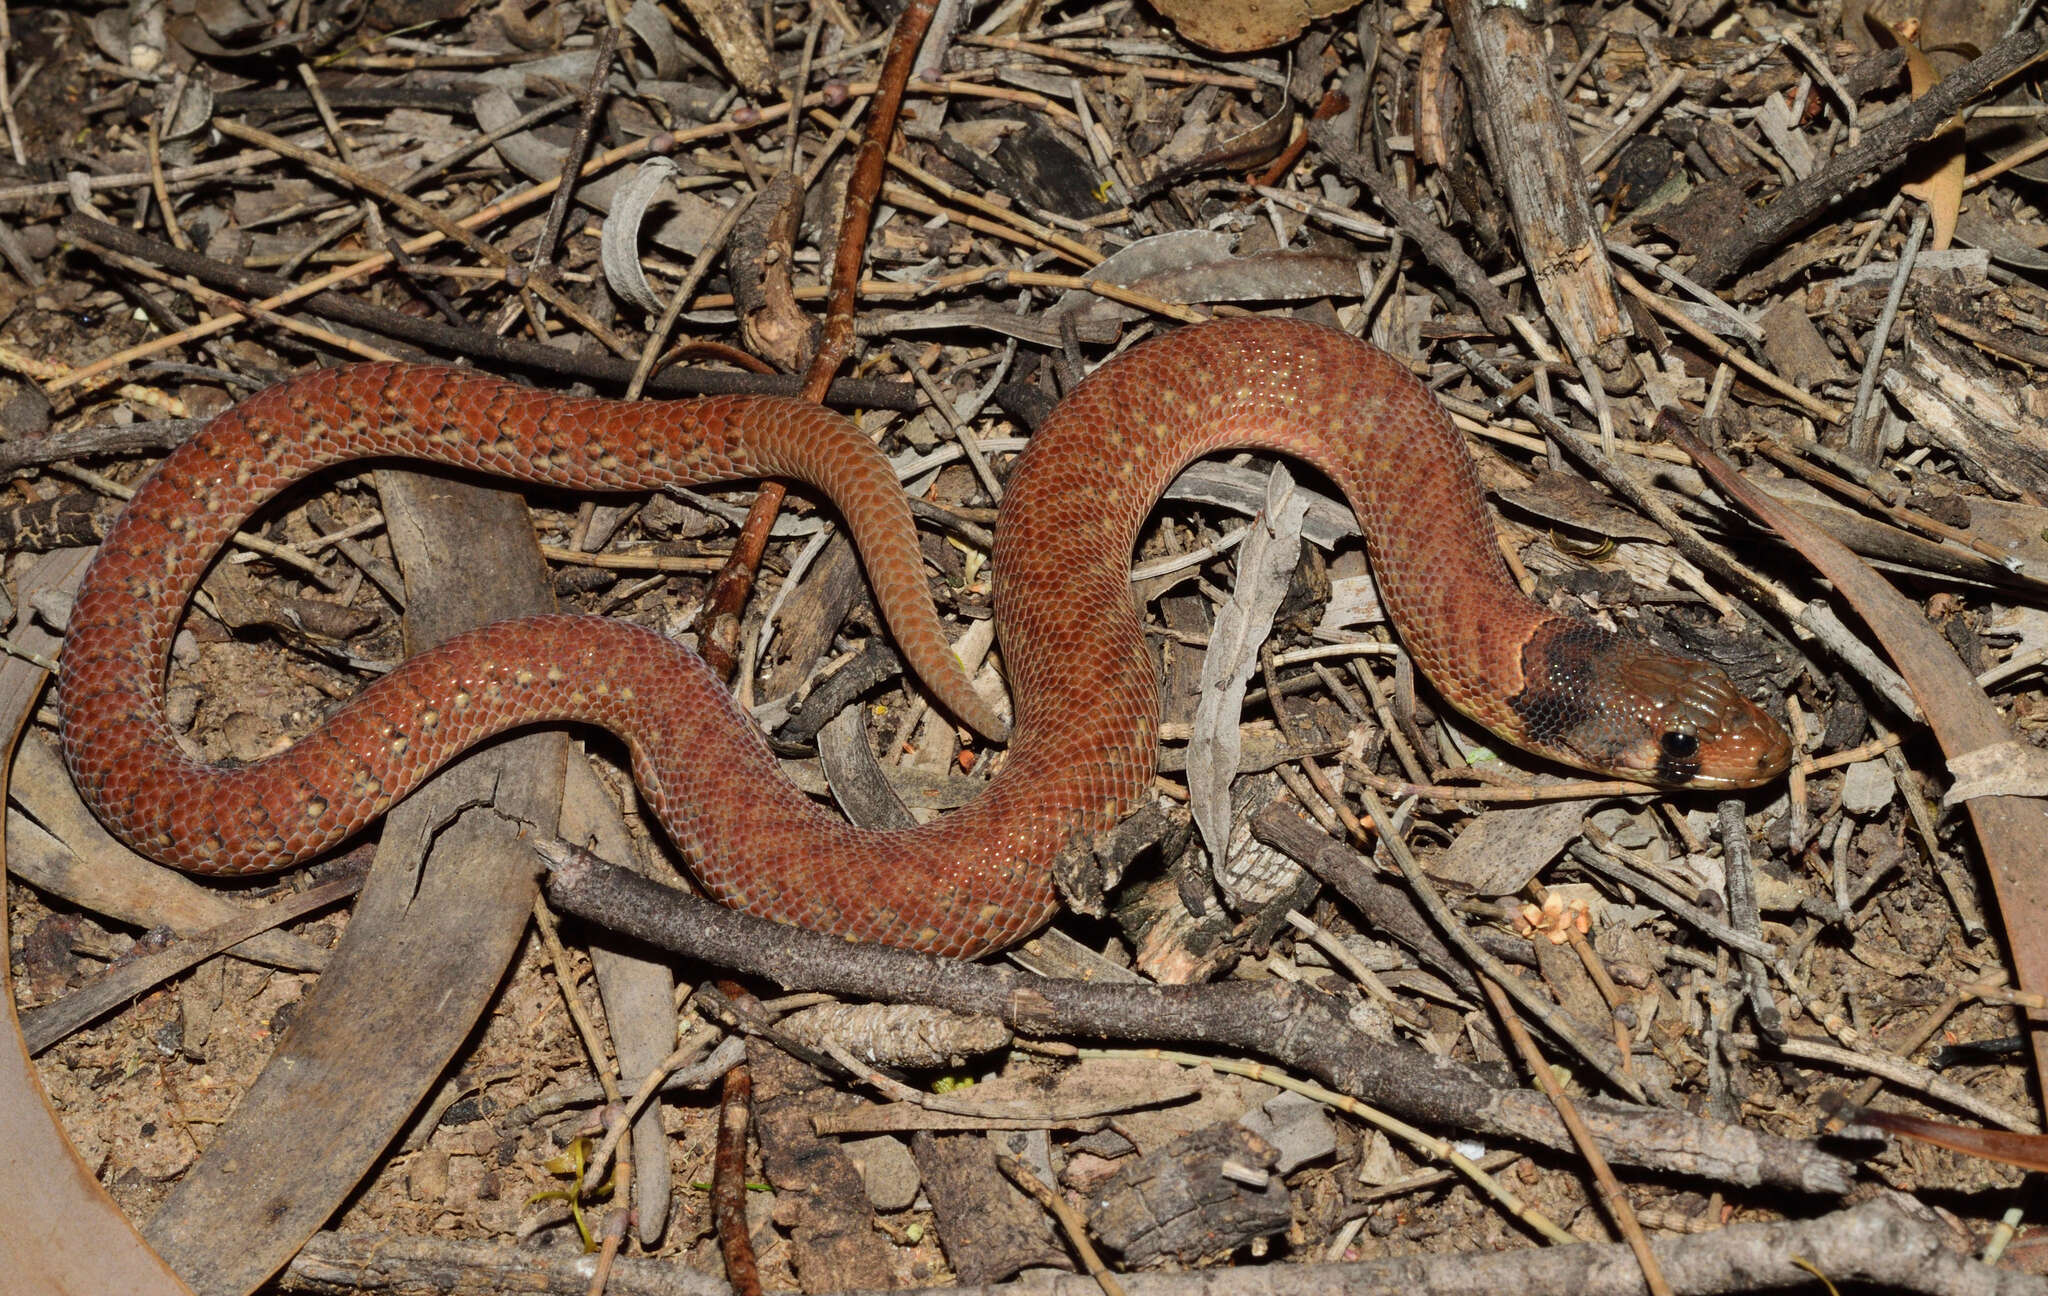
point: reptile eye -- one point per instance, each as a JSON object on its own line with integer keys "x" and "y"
{"x": 1679, "y": 745}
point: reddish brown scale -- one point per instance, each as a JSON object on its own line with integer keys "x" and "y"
{"x": 1085, "y": 732}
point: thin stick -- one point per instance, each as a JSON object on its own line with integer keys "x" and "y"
{"x": 707, "y": 256}
{"x": 1861, "y": 445}
{"x": 1685, "y": 324}
{"x": 458, "y": 231}
{"x": 376, "y": 261}
{"x": 1111, "y": 67}
{"x": 1075, "y": 1227}
{"x": 1454, "y": 931}
{"x": 572, "y": 160}
{"x": 1611, "y": 1195}
{"x": 1576, "y": 790}
{"x": 1425, "y": 1143}
{"x": 729, "y": 1183}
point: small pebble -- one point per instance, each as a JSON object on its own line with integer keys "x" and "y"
{"x": 887, "y": 1170}
{"x": 181, "y": 707}
{"x": 38, "y": 241}
{"x": 426, "y": 1179}
{"x": 53, "y": 607}
{"x": 1867, "y": 787}
{"x": 26, "y": 415}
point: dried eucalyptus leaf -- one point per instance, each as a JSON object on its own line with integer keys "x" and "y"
{"x": 1265, "y": 563}
{"x": 621, "y": 242}
{"x": 645, "y": 20}
{"x": 192, "y": 111}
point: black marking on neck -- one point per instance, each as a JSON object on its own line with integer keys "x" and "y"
{"x": 1557, "y": 680}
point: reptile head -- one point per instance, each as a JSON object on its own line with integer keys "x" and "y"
{"x": 1615, "y": 705}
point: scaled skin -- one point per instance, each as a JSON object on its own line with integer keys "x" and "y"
{"x": 1083, "y": 744}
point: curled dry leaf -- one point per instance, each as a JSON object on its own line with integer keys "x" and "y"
{"x": 688, "y": 221}
{"x": 1264, "y": 565}
{"x": 1202, "y": 267}
{"x": 621, "y": 241}
{"x": 190, "y": 104}
{"x": 1242, "y": 152}
{"x": 1239, "y": 26}
{"x": 646, "y": 21}
{"x": 1938, "y": 176}
{"x": 544, "y": 31}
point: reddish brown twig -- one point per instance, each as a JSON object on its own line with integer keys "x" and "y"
{"x": 1611, "y": 1193}
{"x": 730, "y": 589}
{"x": 2029, "y": 1151}
{"x": 729, "y": 1183}
{"x": 1333, "y": 102}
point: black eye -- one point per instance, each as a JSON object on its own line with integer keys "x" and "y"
{"x": 1679, "y": 745}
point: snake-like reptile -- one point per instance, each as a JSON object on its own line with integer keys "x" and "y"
{"x": 1082, "y": 749}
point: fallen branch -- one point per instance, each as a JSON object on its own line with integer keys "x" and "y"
{"x": 1289, "y": 1023}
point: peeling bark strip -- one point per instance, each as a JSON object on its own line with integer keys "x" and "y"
{"x": 1536, "y": 160}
